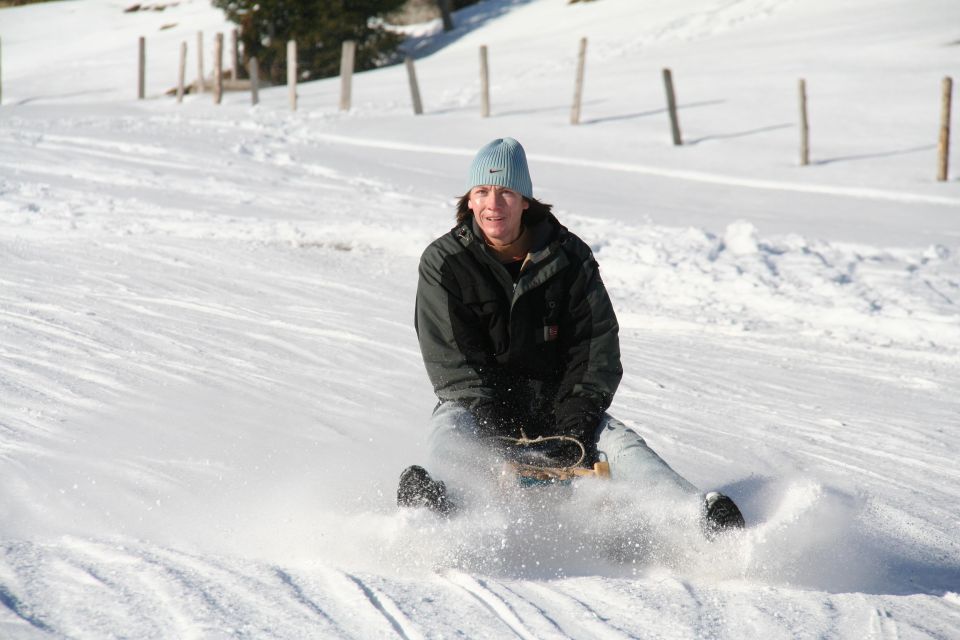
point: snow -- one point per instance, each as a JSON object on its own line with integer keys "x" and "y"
{"x": 210, "y": 380}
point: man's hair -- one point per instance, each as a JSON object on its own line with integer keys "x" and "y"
{"x": 534, "y": 214}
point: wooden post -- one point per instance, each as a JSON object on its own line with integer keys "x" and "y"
{"x": 347, "y": 55}
{"x": 484, "y": 83}
{"x": 943, "y": 148}
{"x": 292, "y": 73}
{"x": 804, "y": 125}
{"x": 218, "y": 68}
{"x": 201, "y": 84}
{"x": 142, "y": 68}
{"x": 672, "y": 107}
{"x": 578, "y": 86}
{"x": 253, "y": 70}
{"x": 414, "y": 88}
{"x": 181, "y": 71}
{"x": 235, "y": 54}
{"x": 447, "y": 14}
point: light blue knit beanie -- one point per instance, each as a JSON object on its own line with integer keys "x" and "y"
{"x": 503, "y": 163}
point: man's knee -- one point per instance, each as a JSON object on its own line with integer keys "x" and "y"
{"x": 615, "y": 439}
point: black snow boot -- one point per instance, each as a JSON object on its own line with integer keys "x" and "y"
{"x": 418, "y": 489}
{"x": 720, "y": 514}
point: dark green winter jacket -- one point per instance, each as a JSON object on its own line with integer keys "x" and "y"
{"x": 542, "y": 354}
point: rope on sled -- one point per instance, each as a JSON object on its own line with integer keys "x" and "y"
{"x": 524, "y": 441}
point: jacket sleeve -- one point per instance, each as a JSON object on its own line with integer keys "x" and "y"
{"x": 591, "y": 349}
{"x": 454, "y": 346}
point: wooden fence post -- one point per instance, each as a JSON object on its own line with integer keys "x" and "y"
{"x": 943, "y": 147}
{"x": 447, "y": 15}
{"x": 347, "y": 55}
{"x": 578, "y": 86}
{"x": 414, "y": 87}
{"x": 141, "y": 68}
{"x": 292, "y": 73}
{"x": 804, "y": 125}
{"x": 217, "y": 68}
{"x": 672, "y": 107}
{"x": 201, "y": 83}
{"x": 484, "y": 83}
{"x": 181, "y": 71}
{"x": 253, "y": 70}
{"x": 235, "y": 54}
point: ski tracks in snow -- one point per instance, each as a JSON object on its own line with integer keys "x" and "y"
{"x": 389, "y": 610}
{"x": 156, "y": 592}
{"x": 883, "y": 626}
{"x": 575, "y": 617}
{"x": 581, "y": 607}
{"x": 499, "y": 607}
{"x": 81, "y": 588}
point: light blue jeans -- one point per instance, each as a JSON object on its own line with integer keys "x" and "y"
{"x": 454, "y": 452}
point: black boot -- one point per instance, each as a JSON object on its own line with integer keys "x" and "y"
{"x": 720, "y": 514}
{"x": 418, "y": 489}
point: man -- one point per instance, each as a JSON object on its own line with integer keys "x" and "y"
{"x": 519, "y": 339}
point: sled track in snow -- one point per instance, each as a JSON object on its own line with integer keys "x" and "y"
{"x": 591, "y": 622}
{"x": 493, "y": 603}
{"x": 388, "y": 609}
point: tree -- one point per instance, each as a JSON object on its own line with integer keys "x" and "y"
{"x": 318, "y": 26}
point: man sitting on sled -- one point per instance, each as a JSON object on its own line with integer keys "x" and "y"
{"x": 520, "y": 341}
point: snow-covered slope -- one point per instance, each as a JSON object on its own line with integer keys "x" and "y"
{"x": 209, "y": 380}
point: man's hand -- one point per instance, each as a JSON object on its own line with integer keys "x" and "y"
{"x": 579, "y": 418}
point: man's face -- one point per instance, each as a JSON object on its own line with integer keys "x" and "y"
{"x": 498, "y": 212}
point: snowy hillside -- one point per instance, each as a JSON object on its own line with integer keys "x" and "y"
{"x": 209, "y": 379}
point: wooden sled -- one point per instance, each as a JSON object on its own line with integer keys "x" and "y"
{"x": 556, "y": 474}
{"x": 525, "y": 475}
